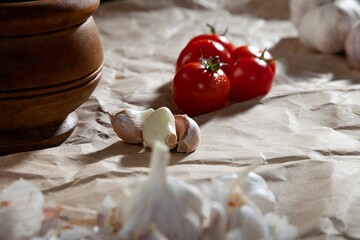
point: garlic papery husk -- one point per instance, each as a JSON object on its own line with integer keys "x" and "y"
{"x": 188, "y": 133}
{"x": 172, "y": 205}
{"x": 128, "y": 124}
{"x": 21, "y": 211}
{"x": 352, "y": 46}
{"x": 160, "y": 126}
{"x": 324, "y": 28}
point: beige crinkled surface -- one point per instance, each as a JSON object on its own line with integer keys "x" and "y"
{"x": 306, "y": 130}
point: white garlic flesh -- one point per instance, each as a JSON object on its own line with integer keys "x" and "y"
{"x": 128, "y": 124}
{"x": 160, "y": 126}
{"x": 325, "y": 27}
{"x": 188, "y": 133}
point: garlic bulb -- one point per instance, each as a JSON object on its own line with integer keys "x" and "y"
{"x": 298, "y": 8}
{"x": 325, "y": 27}
{"x": 21, "y": 211}
{"x": 128, "y": 124}
{"x": 169, "y": 205}
{"x": 160, "y": 126}
{"x": 248, "y": 204}
{"x": 352, "y": 46}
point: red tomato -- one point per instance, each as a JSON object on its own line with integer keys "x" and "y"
{"x": 250, "y": 77}
{"x": 251, "y": 51}
{"x": 220, "y": 38}
{"x": 199, "y": 87}
{"x": 217, "y": 38}
{"x": 206, "y": 48}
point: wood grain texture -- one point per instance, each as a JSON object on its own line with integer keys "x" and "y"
{"x": 39, "y": 16}
{"x": 49, "y": 65}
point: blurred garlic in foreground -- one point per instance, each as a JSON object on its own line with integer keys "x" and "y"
{"x": 171, "y": 205}
{"x": 247, "y": 201}
{"x": 325, "y": 27}
{"x": 21, "y": 211}
{"x": 352, "y": 45}
{"x": 279, "y": 227}
{"x": 128, "y": 124}
{"x": 254, "y": 188}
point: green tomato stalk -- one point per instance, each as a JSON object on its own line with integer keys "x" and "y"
{"x": 212, "y": 64}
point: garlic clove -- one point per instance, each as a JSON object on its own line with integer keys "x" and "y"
{"x": 188, "y": 133}
{"x": 280, "y": 228}
{"x": 21, "y": 210}
{"x": 250, "y": 221}
{"x": 259, "y": 193}
{"x": 160, "y": 126}
{"x": 325, "y": 27}
{"x": 128, "y": 124}
{"x": 215, "y": 228}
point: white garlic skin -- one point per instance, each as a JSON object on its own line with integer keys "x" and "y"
{"x": 298, "y": 8}
{"x": 325, "y": 27}
{"x": 188, "y": 133}
{"x": 352, "y": 46}
{"x": 280, "y": 228}
{"x": 255, "y": 189}
{"x": 215, "y": 227}
{"x": 21, "y": 211}
{"x": 128, "y": 124}
{"x": 160, "y": 126}
{"x": 172, "y": 205}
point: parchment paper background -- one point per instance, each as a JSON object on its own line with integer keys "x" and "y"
{"x": 306, "y": 130}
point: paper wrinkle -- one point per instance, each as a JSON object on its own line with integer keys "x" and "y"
{"x": 306, "y": 130}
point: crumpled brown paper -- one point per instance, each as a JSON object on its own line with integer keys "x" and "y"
{"x": 306, "y": 130}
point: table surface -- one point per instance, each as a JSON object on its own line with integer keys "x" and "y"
{"x": 305, "y": 131}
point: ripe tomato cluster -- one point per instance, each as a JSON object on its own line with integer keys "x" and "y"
{"x": 210, "y": 70}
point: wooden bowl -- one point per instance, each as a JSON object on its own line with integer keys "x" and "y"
{"x": 50, "y": 62}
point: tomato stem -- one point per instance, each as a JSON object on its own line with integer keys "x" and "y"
{"x": 212, "y": 64}
{"x": 213, "y": 30}
{"x": 262, "y": 57}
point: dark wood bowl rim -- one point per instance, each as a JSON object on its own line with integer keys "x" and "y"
{"x": 40, "y": 16}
